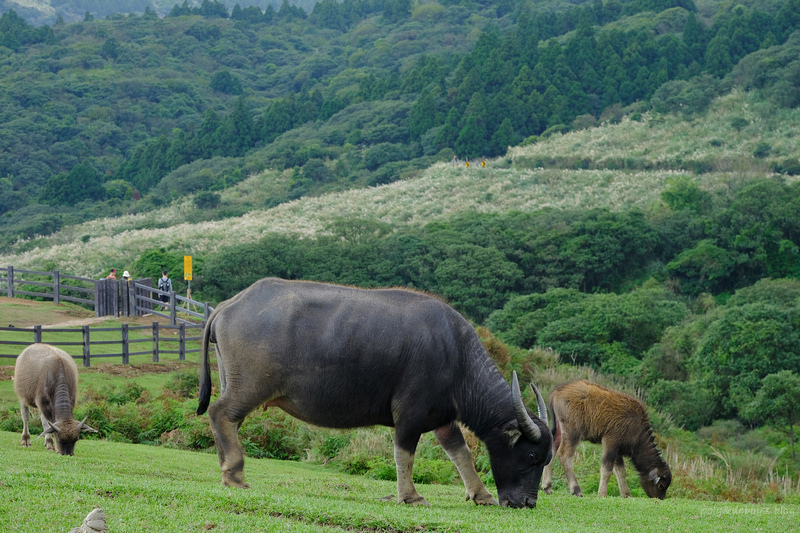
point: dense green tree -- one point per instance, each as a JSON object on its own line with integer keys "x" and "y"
{"x": 207, "y": 200}
{"x": 688, "y": 402}
{"x": 383, "y": 153}
{"x": 503, "y": 138}
{"x": 777, "y": 402}
{"x": 80, "y": 183}
{"x": 236, "y": 134}
{"x": 476, "y": 279}
{"x": 316, "y": 170}
{"x": 153, "y": 261}
{"x": 743, "y": 346}
{"x": 396, "y": 10}
{"x": 718, "y": 56}
{"x": 225, "y": 82}
{"x": 471, "y": 141}
{"x": 423, "y": 115}
{"x": 110, "y": 49}
{"x": 704, "y": 268}
{"x": 683, "y": 193}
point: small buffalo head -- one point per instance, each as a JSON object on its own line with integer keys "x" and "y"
{"x": 656, "y": 482}
{"x": 66, "y": 434}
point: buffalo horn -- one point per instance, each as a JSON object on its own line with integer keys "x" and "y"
{"x": 541, "y": 405}
{"x": 51, "y": 428}
{"x": 526, "y": 424}
{"x": 85, "y": 427}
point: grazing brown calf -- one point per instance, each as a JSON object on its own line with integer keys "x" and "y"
{"x": 583, "y": 410}
{"x": 46, "y": 377}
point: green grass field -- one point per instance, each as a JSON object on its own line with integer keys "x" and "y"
{"x": 145, "y": 488}
{"x": 158, "y": 488}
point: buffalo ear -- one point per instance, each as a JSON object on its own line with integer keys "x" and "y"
{"x": 512, "y": 432}
{"x": 653, "y": 476}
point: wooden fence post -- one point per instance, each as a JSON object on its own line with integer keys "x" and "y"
{"x": 173, "y": 309}
{"x": 182, "y": 342}
{"x": 56, "y": 284}
{"x": 97, "y": 290}
{"x": 115, "y": 297}
{"x": 128, "y": 296}
{"x": 86, "y": 346}
{"x": 155, "y": 342}
{"x": 125, "y": 348}
{"x": 37, "y": 334}
{"x": 10, "y": 289}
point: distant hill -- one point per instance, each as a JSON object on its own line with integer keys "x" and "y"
{"x": 125, "y": 114}
{"x": 39, "y": 12}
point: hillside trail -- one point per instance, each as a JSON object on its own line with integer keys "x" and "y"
{"x": 78, "y": 322}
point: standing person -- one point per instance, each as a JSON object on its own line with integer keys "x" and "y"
{"x": 164, "y": 284}
{"x": 113, "y": 274}
{"x": 126, "y": 275}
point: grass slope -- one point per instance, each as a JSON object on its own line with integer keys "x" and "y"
{"x": 143, "y": 488}
{"x": 628, "y": 165}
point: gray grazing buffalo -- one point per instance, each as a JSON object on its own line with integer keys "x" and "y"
{"x": 46, "y": 377}
{"x": 344, "y": 357}
{"x": 583, "y": 410}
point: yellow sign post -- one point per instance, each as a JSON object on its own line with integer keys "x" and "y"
{"x": 187, "y": 276}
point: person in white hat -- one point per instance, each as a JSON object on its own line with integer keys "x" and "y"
{"x": 126, "y": 275}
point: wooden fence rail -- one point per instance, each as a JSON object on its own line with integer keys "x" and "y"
{"x": 38, "y": 334}
{"x": 60, "y": 287}
{"x": 106, "y": 297}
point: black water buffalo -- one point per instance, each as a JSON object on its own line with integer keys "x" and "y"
{"x": 345, "y": 357}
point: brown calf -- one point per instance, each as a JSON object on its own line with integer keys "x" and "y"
{"x": 583, "y": 410}
{"x": 46, "y": 377}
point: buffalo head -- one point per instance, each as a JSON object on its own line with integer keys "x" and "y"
{"x": 518, "y": 469}
{"x": 656, "y": 482}
{"x": 66, "y": 434}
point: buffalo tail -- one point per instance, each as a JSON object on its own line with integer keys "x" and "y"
{"x": 205, "y": 375}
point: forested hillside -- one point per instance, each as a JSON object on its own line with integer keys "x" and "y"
{"x": 615, "y": 181}
{"x": 96, "y": 115}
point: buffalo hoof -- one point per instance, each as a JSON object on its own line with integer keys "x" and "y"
{"x": 237, "y": 485}
{"x": 230, "y": 481}
{"x": 548, "y": 490}
{"x": 26, "y": 442}
{"x": 415, "y": 499}
{"x": 482, "y": 499}
{"x": 577, "y": 493}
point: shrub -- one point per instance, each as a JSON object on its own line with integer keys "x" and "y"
{"x": 738, "y": 123}
{"x": 183, "y": 384}
{"x": 383, "y": 153}
{"x": 129, "y": 392}
{"x": 207, "y": 200}
{"x": 332, "y": 444}
{"x": 788, "y": 166}
{"x": 762, "y": 150}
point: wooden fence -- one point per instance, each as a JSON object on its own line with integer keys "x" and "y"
{"x": 91, "y": 349}
{"x": 107, "y": 297}
{"x": 59, "y": 287}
